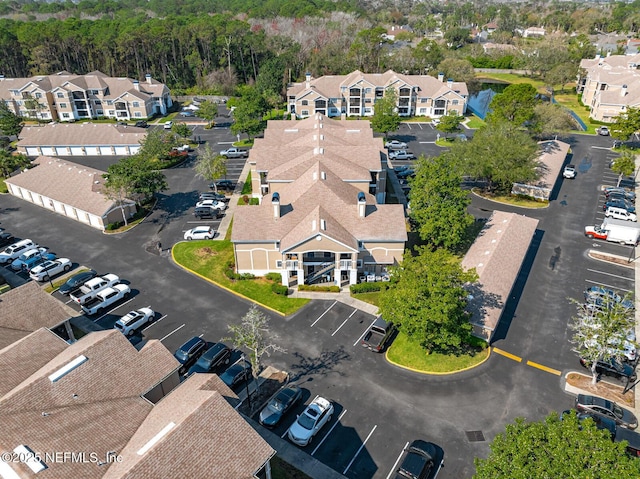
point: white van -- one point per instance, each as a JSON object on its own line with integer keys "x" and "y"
{"x": 620, "y": 214}
{"x": 15, "y": 250}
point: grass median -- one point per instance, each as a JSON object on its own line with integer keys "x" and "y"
{"x": 211, "y": 258}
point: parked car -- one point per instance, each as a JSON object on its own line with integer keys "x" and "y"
{"x": 216, "y": 205}
{"x": 617, "y": 190}
{"x": 619, "y": 203}
{"x": 422, "y": 460}
{"x": 620, "y": 214}
{"x": 15, "y": 250}
{"x": 6, "y": 238}
{"x": 31, "y": 258}
{"x": 223, "y": 185}
{"x": 207, "y": 212}
{"x": 613, "y": 368}
{"x": 141, "y": 124}
{"x": 278, "y": 406}
{"x": 76, "y": 281}
{"x": 595, "y": 292}
{"x": 214, "y": 196}
{"x": 312, "y": 419}
{"x": 569, "y": 172}
{"x": 215, "y": 356}
{"x": 603, "y": 407}
{"x": 404, "y": 174}
{"x": 603, "y": 131}
{"x": 167, "y": 125}
{"x": 199, "y": 233}
{"x": 134, "y": 320}
{"x": 49, "y": 269}
{"x": 189, "y": 352}
{"x": 395, "y": 145}
{"x": 236, "y": 373}
{"x": 401, "y": 155}
{"x": 186, "y": 113}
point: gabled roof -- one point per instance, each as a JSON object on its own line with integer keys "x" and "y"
{"x": 81, "y": 134}
{"x": 72, "y": 184}
{"x": 28, "y": 308}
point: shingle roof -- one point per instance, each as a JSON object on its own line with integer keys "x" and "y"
{"x": 497, "y": 255}
{"x": 28, "y": 308}
{"x": 67, "y": 182}
{"x": 81, "y": 134}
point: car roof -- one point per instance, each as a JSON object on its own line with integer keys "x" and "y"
{"x": 191, "y": 343}
{"x": 215, "y": 349}
{"x": 201, "y": 228}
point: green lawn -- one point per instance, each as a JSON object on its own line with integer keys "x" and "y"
{"x": 246, "y": 188}
{"x": 513, "y": 200}
{"x": 475, "y": 122}
{"x": 3, "y": 186}
{"x": 371, "y": 298}
{"x": 210, "y": 258}
{"x": 410, "y": 354}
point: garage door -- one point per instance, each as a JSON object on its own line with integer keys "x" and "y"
{"x": 62, "y": 150}
{"x": 134, "y": 149}
{"x": 31, "y": 151}
{"x": 48, "y": 150}
{"x": 77, "y": 151}
{"x": 121, "y": 150}
{"x": 95, "y": 221}
{"x": 105, "y": 150}
{"x": 92, "y": 150}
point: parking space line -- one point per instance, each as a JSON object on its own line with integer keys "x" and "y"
{"x": 112, "y": 310}
{"x": 608, "y": 286}
{"x": 359, "y": 449}
{"x": 610, "y": 274}
{"x": 507, "y": 355}
{"x": 155, "y": 322}
{"x": 393, "y": 469}
{"x": 332, "y": 428}
{"x": 343, "y": 323}
{"x": 320, "y": 317}
{"x": 544, "y": 368}
{"x": 365, "y": 332}
{"x": 175, "y": 330}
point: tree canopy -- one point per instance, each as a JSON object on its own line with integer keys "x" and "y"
{"x": 626, "y": 124}
{"x": 10, "y": 163}
{"x": 249, "y": 111}
{"x": 624, "y": 165}
{"x": 10, "y": 123}
{"x": 385, "y": 117}
{"x": 210, "y": 166}
{"x": 515, "y": 104}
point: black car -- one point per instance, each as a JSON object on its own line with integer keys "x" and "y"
{"x": 612, "y": 367}
{"x": 278, "y": 406}
{"x": 629, "y": 194}
{"x": 76, "y": 281}
{"x": 223, "y": 185}
{"x": 189, "y": 352}
{"x": 6, "y": 238}
{"x": 237, "y": 373}
{"x": 605, "y": 408}
{"x": 404, "y": 174}
{"x": 215, "y": 356}
{"x": 141, "y": 124}
{"x": 619, "y": 203}
{"x": 422, "y": 460}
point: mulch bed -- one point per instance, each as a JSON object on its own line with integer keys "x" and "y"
{"x": 603, "y": 389}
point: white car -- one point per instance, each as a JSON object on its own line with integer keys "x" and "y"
{"x": 216, "y": 205}
{"x": 168, "y": 125}
{"x": 49, "y": 269}
{"x": 401, "y": 155}
{"x": 603, "y": 131}
{"x": 316, "y": 415}
{"x": 199, "y": 233}
{"x": 134, "y": 320}
{"x": 569, "y": 172}
{"x": 29, "y": 256}
{"x": 395, "y": 145}
{"x": 15, "y": 250}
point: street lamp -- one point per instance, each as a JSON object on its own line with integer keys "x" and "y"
{"x": 246, "y": 383}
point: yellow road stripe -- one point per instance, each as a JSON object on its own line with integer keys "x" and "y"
{"x": 507, "y": 355}
{"x": 544, "y": 368}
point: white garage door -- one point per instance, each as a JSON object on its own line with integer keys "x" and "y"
{"x": 105, "y": 150}
{"x": 92, "y": 150}
{"x": 95, "y": 221}
{"x": 62, "y": 150}
{"x": 32, "y": 151}
{"x": 134, "y": 149}
{"x": 77, "y": 151}
{"x": 48, "y": 150}
{"x": 121, "y": 150}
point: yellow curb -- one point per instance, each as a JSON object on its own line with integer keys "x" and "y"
{"x": 507, "y": 355}
{"x": 433, "y": 373}
{"x": 510, "y": 204}
{"x": 544, "y": 368}
{"x": 240, "y": 295}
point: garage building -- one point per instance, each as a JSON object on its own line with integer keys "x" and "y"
{"x": 80, "y": 139}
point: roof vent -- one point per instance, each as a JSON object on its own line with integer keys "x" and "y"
{"x": 323, "y": 175}
{"x": 156, "y": 438}
{"x": 64, "y": 370}
{"x": 323, "y": 225}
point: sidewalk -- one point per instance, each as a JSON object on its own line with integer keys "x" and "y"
{"x": 343, "y": 296}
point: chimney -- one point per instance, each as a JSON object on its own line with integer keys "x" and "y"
{"x": 441, "y": 77}
{"x": 362, "y": 204}
{"x": 450, "y": 82}
{"x": 136, "y": 85}
{"x": 275, "y": 201}
{"x": 308, "y": 75}
{"x": 148, "y": 78}
{"x": 623, "y": 91}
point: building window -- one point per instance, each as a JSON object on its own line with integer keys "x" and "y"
{"x": 603, "y": 86}
{"x": 359, "y": 264}
{"x": 367, "y": 100}
{"x": 454, "y": 102}
{"x": 137, "y": 114}
{"x": 343, "y": 89}
{"x": 136, "y": 104}
{"x": 424, "y": 100}
{"x": 60, "y": 94}
{"x": 99, "y": 112}
{"x": 65, "y": 115}
{"x": 360, "y": 245}
{"x": 367, "y": 90}
{"x": 109, "y": 102}
{"x": 279, "y": 263}
{"x": 38, "y": 95}
{"x": 304, "y": 112}
{"x": 93, "y": 92}
{"x": 422, "y": 111}
{"x": 62, "y": 105}
{"x": 15, "y": 92}
{"x": 304, "y": 102}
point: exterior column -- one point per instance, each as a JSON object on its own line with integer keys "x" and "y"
{"x": 337, "y": 276}
{"x": 353, "y": 276}
{"x": 285, "y": 277}
{"x": 300, "y": 275}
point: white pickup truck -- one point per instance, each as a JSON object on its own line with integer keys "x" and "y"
{"x": 106, "y": 298}
{"x": 234, "y": 153}
{"x": 91, "y": 288}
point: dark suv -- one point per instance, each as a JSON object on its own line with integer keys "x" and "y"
{"x": 217, "y": 355}
{"x": 189, "y": 352}
{"x": 612, "y": 367}
{"x": 422, "y": 461}
{"x": 619, "y": 203}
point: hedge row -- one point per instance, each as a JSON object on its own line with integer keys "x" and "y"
{"x": 369, "y": 287}
{"x": 323, "y": 289}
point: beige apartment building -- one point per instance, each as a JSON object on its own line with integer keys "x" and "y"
{"x": 355, "y": 94}
{"x": 610, "y": 85}
{"x": 322, "y": 216}
{"x": 68, "y": 97}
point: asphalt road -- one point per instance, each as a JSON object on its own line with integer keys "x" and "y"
{"x": 379, "y": 408}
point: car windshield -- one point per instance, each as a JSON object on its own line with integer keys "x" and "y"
{"x": 306, "y": 422}
{"x": 277, "y": 405}
{"x": 617, "y": 410}
{"x": 204, "y": 362}
{"x": 181, "y": 355}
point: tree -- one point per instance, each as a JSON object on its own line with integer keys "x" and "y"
{"x": 438, "y": 203}
{"x": 181, "y": 129}
{"x": 210, "y": 166}
{"x": 459, "y": 70}
{"x": 515, "y": 104}
{"x": 10, "y": 163}
{"x": 385, "y": 115}
{"x": 208, "y": 111}
{"x": 253, "y": 333}
{"x": 561, "y": 75}
{"x": 550, "y": 119}
{"x": 428, "y": 301}
{"x": 450, "y": 122}
{"x": 156, "y": 145}
{"x": 428, "y": 55}
{"x": 119, "y": 188}
{"x": 457, "y": 37}
{"x": 624, "y": 165}
{"x": 249, "y": 112}
{"x": 556, "y": 448}
{"x": 626, "y": 124}
{"x": 10, "y": 123}
{"x": 601, "y": 330}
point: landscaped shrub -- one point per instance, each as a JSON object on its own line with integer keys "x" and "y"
{"x": 279, "y": 289}
{"x": 245, "y": 276}
{"x": 254, "y": 201}
{"x": 320, "y": 289}
{"x": 369, "y": 287}
{"x": 275, "y": 277}
{"x": 114, "y": 226}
